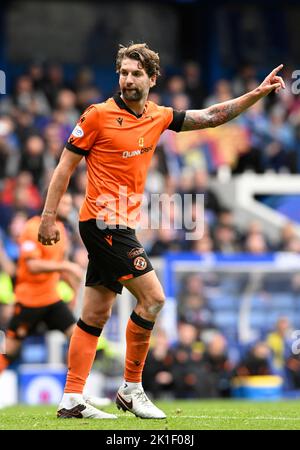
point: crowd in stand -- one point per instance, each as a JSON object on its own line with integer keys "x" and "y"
{"x": 39, "y": 114}
{"x": 36, "y": 119}
{"x": 198, "y": 366}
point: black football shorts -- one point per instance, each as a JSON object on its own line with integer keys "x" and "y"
{"x": 25, "y": 320}
{"x": 114, "y": 255}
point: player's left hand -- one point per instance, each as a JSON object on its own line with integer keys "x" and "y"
{"x": 272, "y": 82}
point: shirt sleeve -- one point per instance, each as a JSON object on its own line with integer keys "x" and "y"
{"x": 85, "y": 132}
{"x": 173, "y": 119}
{"x": 178, "y": 118}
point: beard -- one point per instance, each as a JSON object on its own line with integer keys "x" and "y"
{"x": 132, "y": 95}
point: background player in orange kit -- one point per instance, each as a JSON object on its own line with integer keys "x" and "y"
{"x": 118, "y": 138}
{"x": 38, "y": 272}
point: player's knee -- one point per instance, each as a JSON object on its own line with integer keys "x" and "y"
{"x": 97, "y": 318}
{"x": 155, "y": 305}
{"x": 104, "y": 316}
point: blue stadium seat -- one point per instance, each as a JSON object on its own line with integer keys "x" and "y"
{"x": 259, "y": 302}
{"x": 224, "y": 319}
{"x": 257, "y": 319}
{"x": 224, "y": 302}
{"x": 282, "y": 301}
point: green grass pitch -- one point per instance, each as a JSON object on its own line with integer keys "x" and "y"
{"x": 182, "y": 415}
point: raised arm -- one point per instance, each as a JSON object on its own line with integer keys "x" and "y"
{"x": 48, "y": 232}
{"x": 223, "y": 112}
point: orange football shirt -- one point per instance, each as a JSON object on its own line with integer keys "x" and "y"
{"x": 37, "y": 290}
{"x": 118, "y": 145}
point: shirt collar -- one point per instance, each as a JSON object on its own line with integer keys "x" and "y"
{"x": 121, "y": 104}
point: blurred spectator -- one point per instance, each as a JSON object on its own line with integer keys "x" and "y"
{"x": 36, "y": 71}
{"x": 226, "y": 240}
{"x": 226, "y": 217}
{"x": 218, "y": 368}
{"x": 194, "y": 88}
{"x": 157, "y": 375}
{"x": 66, "y": 104}
{"x": 175, "y": 85}
{"x": 192, "y": 284}
{"x": 86, "y": 96}
{"x": 27, "y": 98}
{"x": 23, "y": 183}
{"x": 279, "y": 342}
{"x": 256, "y": 244}
{"x": 7, "y": 274}
{"x": 155, "y": 183}
{"x": 25, "y": 125}
{"x": 255, "y": 229}
{"x": 194, "y": 309}
{"x": 293, "y": 371}
{"x": 246, "y": 75}
{"x": 85, "y": 78}
{"x": 32, "y": 159}
{"x": 164, "y": 242}
{"x": 256, "y": 362}
{"x": 280, "y": 130}
{"x": 187, "y": 369}
{"x": 8, "y": 147}
{"x": 19, "y": 195}
{"x": 203, "y": 245}
{"x": 212, "y": 203}
{"x": 54, "y": 82}
{"x": 288, "y": 234}
{"x": 180, "y": 101}
{"x": 222, "y": 93}
{"x": 11, "y": 240}
{"x": 193, "y": 305}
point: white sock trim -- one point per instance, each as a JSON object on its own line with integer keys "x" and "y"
{"x": 69, "y": 399}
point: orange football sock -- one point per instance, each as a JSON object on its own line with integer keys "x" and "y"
{"x": 138, "y": 334}
{"x": 82, "y": 351}
{"x": 4, "y": 362}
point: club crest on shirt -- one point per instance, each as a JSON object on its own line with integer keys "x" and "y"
{"x": 78, "y": 131}
{"x": 140, "y": 263}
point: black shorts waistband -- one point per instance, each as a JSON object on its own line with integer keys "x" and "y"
{"x": 105, "y": 226}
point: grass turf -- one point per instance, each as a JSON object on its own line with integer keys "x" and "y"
{"x": 182, "y": 415}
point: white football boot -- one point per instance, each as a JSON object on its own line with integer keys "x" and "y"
{"x": 137, "y": 402}
{"x": 75, "y": 406}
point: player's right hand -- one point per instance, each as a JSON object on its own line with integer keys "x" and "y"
{"x": 48, "y": 233}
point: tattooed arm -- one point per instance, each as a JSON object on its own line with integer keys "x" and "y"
{"x": 223, "y": 112}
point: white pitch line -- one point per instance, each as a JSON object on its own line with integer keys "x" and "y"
{"x": 221, "y": 418}
{"x": 233, "y": 418}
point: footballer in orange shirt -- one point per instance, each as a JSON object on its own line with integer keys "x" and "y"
{"x": 38, "y": 272}
{"x": 118, "y": 138}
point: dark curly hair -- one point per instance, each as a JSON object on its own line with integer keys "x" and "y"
{"x": 148, "y": 59}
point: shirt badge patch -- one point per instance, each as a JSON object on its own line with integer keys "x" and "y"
{"x": 78, "y": 131}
